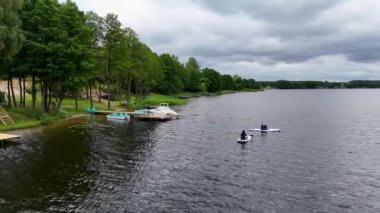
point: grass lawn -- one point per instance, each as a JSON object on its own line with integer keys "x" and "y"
{"x": 27, "y": 118}
{"x": 22, "y": 118}
{"x": 155, "y": 99}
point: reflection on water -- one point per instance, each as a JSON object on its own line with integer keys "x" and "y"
{"x": 325, "y": 159}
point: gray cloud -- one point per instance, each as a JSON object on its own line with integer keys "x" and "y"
{"x": 306, "y": 29}
{"x": 275, "y": 11}
{"x": 265, "y": 40}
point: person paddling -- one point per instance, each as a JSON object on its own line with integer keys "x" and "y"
{"x": 263, "y": 126}
{"x": 243, "y": 135}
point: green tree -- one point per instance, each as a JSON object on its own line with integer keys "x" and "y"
{"x": 283, "y": 84}
{"x": 237, "y": 82}
{"x": 192, "y": 80}
{"x": 150, "y": 72}
{"x": 11, "y": 39}
{"x": 57, "y": 53}
{"x": 96, "y": 24}
{"x": 228, "y": 82}
{"x": 11, "y": 36}
{"x": 214, "y": 80}
{"x": 173, "y": 72}
{"x": 251, "y": 84}
{"x": 155, "y": 71}
{"x": 80, "y": 58}
{"x": 113, "y": 49}
{"x": 42, "y": 44}
{"x": 134, "y": 58}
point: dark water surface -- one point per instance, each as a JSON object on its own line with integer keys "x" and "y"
{"x": 325, "y": 159}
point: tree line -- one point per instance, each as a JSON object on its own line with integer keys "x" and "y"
{"x": 285, "y": 84}
{"x": 61, "y": 50}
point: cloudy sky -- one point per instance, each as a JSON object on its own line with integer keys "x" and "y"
{"x": 335, "y": 40}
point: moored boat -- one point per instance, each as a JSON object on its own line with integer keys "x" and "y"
{"x": 119, "y": 116}
{"x": 154, "y": 116}
{"x": 164, "y": 108}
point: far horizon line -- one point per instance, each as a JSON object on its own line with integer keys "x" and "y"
{"x": 336, "y": 81}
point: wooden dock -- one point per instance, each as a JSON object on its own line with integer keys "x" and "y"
{"x": 105, "y": 112}
{"x": 101, "y": 112}
{"x": 8, "y": 136}
{"x": 5, "y": 137}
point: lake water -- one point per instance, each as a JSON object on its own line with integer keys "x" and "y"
{"x": 325, "y": 159}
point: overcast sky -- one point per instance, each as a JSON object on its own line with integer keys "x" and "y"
{"x": 335, "y": 40}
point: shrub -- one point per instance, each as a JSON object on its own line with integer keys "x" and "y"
{"x": 45, "y": 119}
{"x": 61, "y": 114}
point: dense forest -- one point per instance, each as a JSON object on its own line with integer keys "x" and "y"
{"x": 57, "y": 51}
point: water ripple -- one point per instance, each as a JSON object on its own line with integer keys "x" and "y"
{"x": 324, "y": 160}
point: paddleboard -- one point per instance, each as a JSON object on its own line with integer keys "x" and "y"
{"x": 266, "y": 130}
{"x": 247, "y": 138}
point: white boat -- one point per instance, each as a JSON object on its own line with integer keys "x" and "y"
{"x": 119, "y": 116}
{"x": 154, "y": 116}
{"x": 164, "y": 109}
{"x": 247, "y": 138}
{"x": 264, "y": 130}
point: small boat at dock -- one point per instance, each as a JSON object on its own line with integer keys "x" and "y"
{"x": 119, "y": 116}
{"x": 160, "y": 113}
{"x": 153, "y": 116}
{"x": 165, "y": 109}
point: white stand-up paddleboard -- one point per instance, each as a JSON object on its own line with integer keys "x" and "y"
{"x": 247, "y": 138}
{"x": 264, "y": 130}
